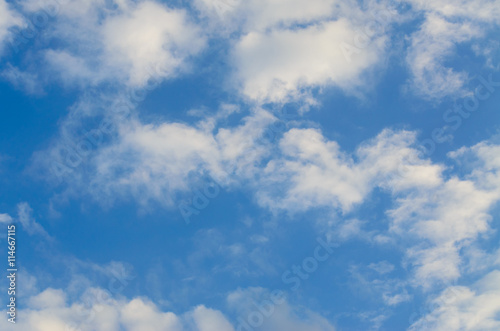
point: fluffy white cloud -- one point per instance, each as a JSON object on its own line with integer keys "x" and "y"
{"x": 150, "y": 40}
{"x": 138, "y": 315}
{"x": 152, "y": 163}
{"x": 282, "y": 49}
{"x": 462, "y": 308}
{"x": 449, "y": 216}
{"x": 436, "y": 216}
{"x": 49, "y": 310}
{"x": 210, "y": 320}
{"x": 5, "y": 218}
{"x": 96, "y": 310}
{"x": 278, "y": 66}
{"x": 123, "y": 42}
{"x": 316, "y": 173}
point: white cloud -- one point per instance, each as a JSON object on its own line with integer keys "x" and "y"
{"x": 125, "y": 43}
{"x": 25, "y": 217}
{"x": 22, "y": 80}
{"x": 259, "y": 15}
{"x": 153, "y": 163}
{"x": 8, "y": 19}
{"x": 150, "y": 41}
{"x": 96, "y": 310}
{"x": 50, "y": 298}
{"x": 316, "y": 173}
{"x": 138, "y": 315}
{"x": 382, "y": 267}
{"x": 210, "y": 320}
{"x": 282, "y": 49}
{"x": 434, "y": 215}
{"x": 274, "y": 314}
{"x": 5, "y": 218}
{"x": 468, "y": 309}
{"x": 434, "y": 43}
{"x": 479, "y": 10}
{"x": 450, "y": 216}
{"x": 448, "y": 23}
{"x": 278, "y": 66}
{"x": 379, "y": 285}
{"x": 264, "y": 14}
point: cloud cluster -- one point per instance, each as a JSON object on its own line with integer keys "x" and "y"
{"x": 96, "y": 310}
{"x": 153, "y": 163}
{"x": 465, "y": 308}
{"x": 278, "y": 51}
{"x": 434, "y": 214}
{"x": 125, "y": 43}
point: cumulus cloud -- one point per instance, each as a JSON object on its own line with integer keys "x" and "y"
{"x": 50, "y": 310}
{"x": 96, "y": 310}
{"x": 281, "y": 50}
{"x": 155, "y": 162}
{"x": 210, "y": 320}
{"x": 451, "y": 215}
{"x": 278, "y": 66}
{"x": 150, "y": 36}
{"x": 465, "y": 308}
{"x": 316, "y": 173}
{"x": 435, "y": 215}
{"x": 124, "y": 42}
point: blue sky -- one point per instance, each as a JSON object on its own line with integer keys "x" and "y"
{"x": 251, "y": 165}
